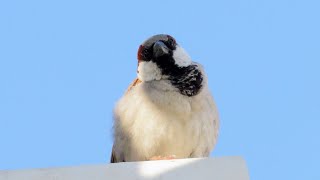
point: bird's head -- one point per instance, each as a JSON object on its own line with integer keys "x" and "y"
{"x": 159, "y": 57}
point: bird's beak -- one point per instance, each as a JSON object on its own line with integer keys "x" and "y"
{"x": 160, "y": 49}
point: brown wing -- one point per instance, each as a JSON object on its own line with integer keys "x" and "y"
{"x": 133, "y": 84}
{"x": 113, "y": 158}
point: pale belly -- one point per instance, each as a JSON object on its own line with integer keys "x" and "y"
{"x": 157, "y": 125}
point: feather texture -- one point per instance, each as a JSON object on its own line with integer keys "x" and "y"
{"x": 155, "y": 119}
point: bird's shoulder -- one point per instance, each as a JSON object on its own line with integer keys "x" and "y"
{"x": 134, "y": 83}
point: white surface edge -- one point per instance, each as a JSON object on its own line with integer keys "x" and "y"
{"x": 220, "y": 168}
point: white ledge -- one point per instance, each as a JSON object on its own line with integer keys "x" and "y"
{"x": 225, "y": 168}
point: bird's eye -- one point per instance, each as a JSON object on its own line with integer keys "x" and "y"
{"x": 171, "y": 43}
{"x": 146, "y": 54}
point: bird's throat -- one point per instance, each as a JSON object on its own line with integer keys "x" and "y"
{"x": 187, "y": 79}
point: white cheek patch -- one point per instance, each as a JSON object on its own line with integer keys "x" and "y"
{"x": 148, "y": 71}
{"x": 181, "y": 57}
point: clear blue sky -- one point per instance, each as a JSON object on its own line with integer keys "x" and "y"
{"x": 63, "y": 65}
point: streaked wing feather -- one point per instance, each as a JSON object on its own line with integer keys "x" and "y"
{"x": 133, "y": 84}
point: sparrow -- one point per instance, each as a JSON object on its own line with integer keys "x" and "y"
{"x": 168, "y": 111}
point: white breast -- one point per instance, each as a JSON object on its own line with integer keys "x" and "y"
{"x": 155, "y": 119}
